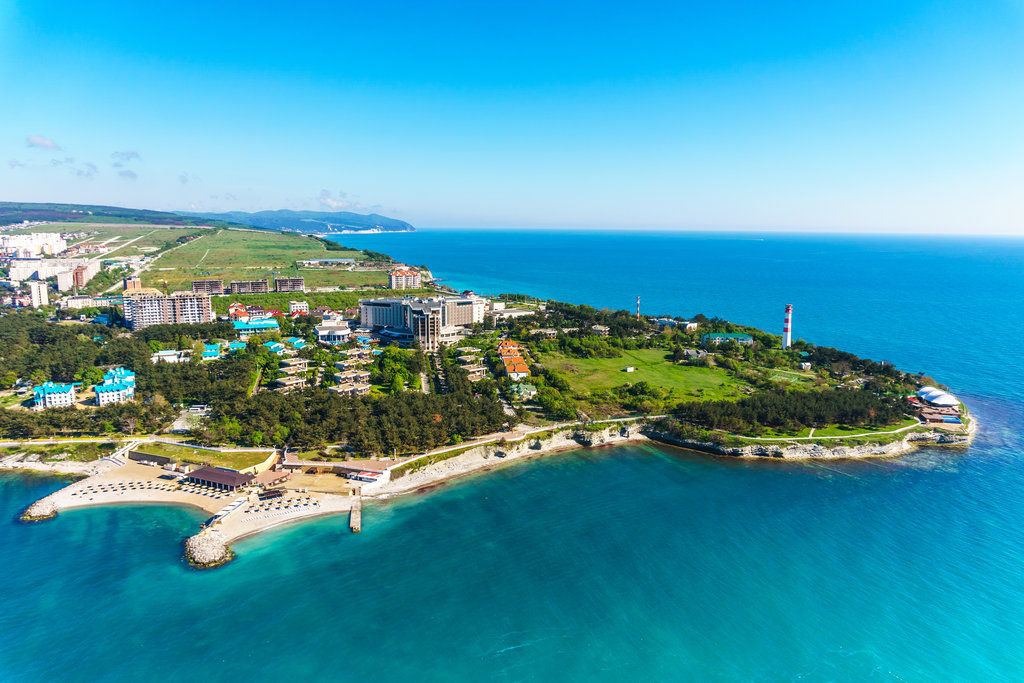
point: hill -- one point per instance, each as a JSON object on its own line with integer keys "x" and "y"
{"x": 311, "y": 222}
{"x": 16, "y": 212}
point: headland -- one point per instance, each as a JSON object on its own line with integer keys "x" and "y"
{"x": 380, "y": 381}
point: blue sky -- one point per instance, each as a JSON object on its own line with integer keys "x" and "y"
{"x": 832, "y": 116}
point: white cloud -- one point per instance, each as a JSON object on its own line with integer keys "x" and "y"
{"x": 328, "y": 201}
{"x": 41, "y": 141}
{"x": 128, "y": 175}
{"x": 125, "y": 156}
{"x": 14, "y": 163}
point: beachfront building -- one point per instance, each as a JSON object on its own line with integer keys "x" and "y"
{"x": 290, "y": 284}
{"x": 50, "y": 395}
{"x": 208, "y": 286}
{"x": 405, "y": 279}
{"x": 247, "y": 328}
{"x": 721, "y": 337}
{"x": 38, "y": 293}
{"x": 118, "y": 386}
{"x": 218, "y": 478}
{"x": 298, "y": 307}
{"x": 180, "y": 308}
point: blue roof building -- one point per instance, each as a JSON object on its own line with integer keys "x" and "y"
{"x": 245, "y": 328}
{"x": 275, "y": 347}
{"x": 50, "y": 395}
{"x": 118, "y": 386}
{"x": 236, "y": 346}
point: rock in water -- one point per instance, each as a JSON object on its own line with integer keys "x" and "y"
{"x": 39, "y": 510}
{"x": 207, "y": 549}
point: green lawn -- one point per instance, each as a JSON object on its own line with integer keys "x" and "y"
{"x": 235, "y": 460}
{"x": 652, "y": 366}
{"x": 842, "y": 430}
{"x": 252, "y": 255}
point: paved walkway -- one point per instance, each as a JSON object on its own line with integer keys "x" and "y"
{"x": 816, "y": 438}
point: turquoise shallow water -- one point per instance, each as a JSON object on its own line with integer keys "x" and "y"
{"x": 633, "y": 562}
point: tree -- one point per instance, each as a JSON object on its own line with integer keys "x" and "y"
{"x": 129, "y": 424}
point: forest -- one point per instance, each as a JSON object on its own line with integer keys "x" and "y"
{"x": 792, "y": 411}
{"x": 405, "y": 421}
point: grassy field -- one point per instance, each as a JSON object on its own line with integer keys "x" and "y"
{"x": 682, "y": 381}
{"x": 235, "y": 460}
{"x": 841, "y": 430}
{"x": 251, "y": 255}
{"x": 147, "y": 238}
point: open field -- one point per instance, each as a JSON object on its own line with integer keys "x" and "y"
{"x": 251, "y": 255}
{"x": 590, "y": 374}
{"x": 148, "y": 238}
{"x": 233, "y": 459}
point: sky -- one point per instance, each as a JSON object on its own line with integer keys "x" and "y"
{"x": 828, "y": 116}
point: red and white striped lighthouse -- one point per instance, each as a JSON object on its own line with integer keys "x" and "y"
{"x": 787, "y": 328}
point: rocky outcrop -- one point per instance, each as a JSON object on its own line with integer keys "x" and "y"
{"x": 208, "y": 549}
{"x": 794, "y": 450}
{"x": 39, "y": 510}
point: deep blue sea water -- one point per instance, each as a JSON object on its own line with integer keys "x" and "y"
{"x": 633, "y": 563}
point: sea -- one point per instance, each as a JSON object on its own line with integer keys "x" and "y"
{"x": 636, "y": 562}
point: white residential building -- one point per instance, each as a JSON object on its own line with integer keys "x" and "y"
{"x": 38, "y": 293}
{"x": 405, "y": 279}
{"x": 333, "y": 330}
{"x": 118, "y": 386}
{"x": 143, "y": 310}
{"x": 50, "y": 395}
{"x": 32, "y": 244}
{"x": 298, "y": 307}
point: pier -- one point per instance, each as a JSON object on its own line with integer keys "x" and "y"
{"x": 355, "y": 516}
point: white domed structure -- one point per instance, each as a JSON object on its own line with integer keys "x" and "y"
{"x": 937, "y": 397}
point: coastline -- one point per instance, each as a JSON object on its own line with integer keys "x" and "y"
{"x": 210, "y": 547}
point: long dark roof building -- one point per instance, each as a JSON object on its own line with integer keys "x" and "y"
{"x": 216, "y": 476}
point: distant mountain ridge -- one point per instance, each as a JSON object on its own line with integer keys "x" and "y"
{"x": 310, "y": 222}
{"x": 306, "y": 222}
{"x": 16, "y": 212}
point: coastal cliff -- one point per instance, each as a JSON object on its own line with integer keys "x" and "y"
{"x": 492, "y": 454}
{"x": 797, "y": 451}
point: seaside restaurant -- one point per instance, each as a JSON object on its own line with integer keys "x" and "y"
{"x": 227, "y": 480}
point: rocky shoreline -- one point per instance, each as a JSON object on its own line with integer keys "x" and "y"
{"x": 210, "y": 547}
{"x": 812, "y": 450}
